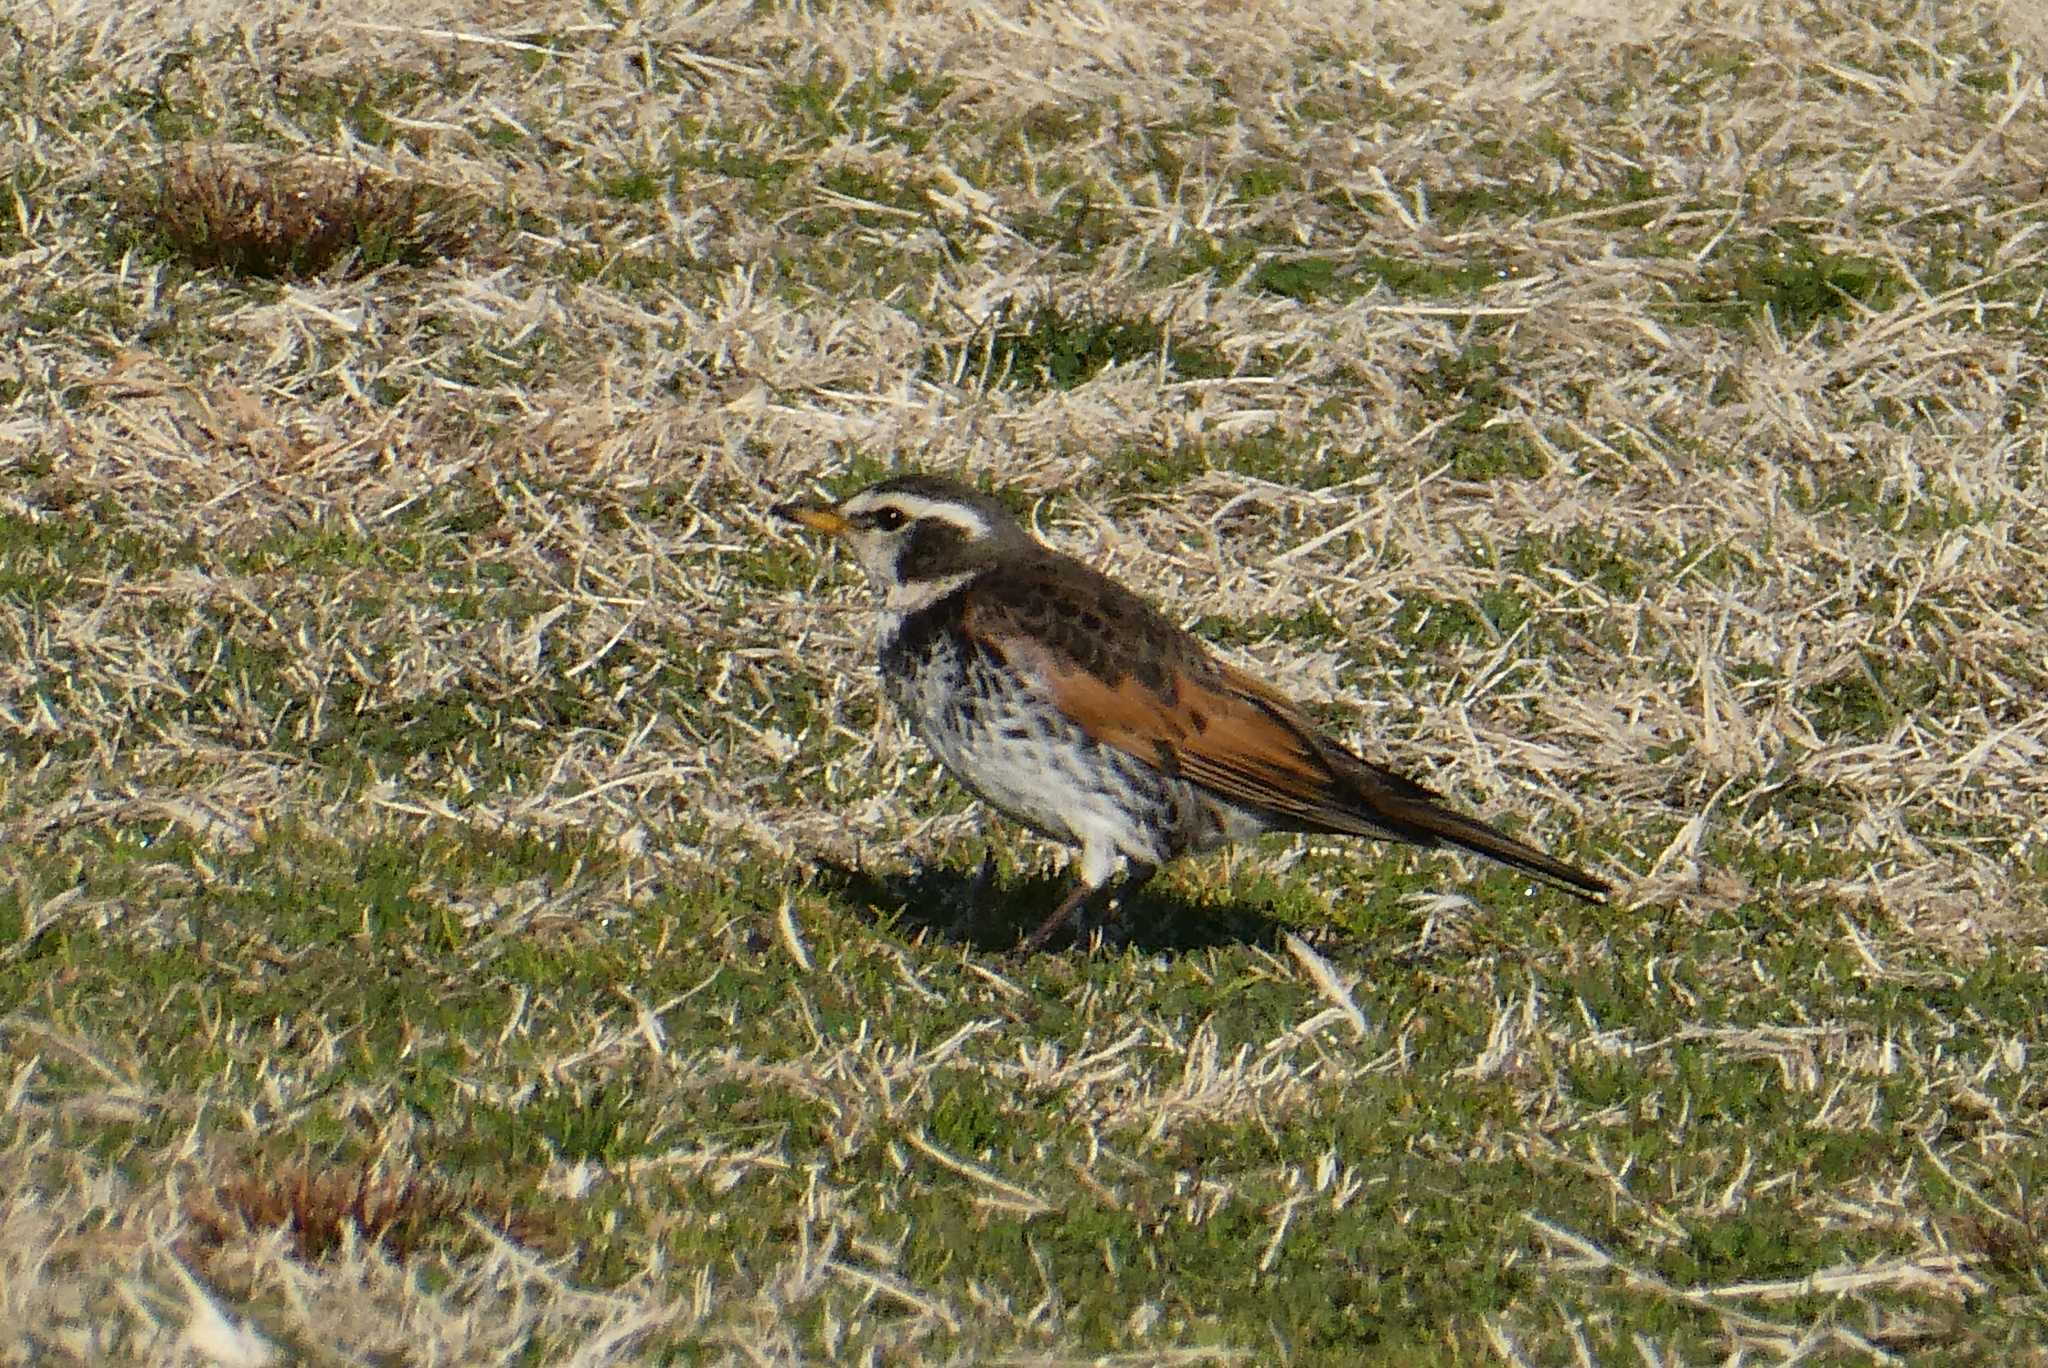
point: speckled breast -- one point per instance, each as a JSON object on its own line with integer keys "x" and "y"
{"x": 1003, "y": 739}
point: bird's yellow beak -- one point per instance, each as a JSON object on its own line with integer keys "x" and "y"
{"x": 817, "y": 517}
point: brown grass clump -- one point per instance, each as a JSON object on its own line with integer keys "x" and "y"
{"x": 398, "y": 1211}
{"x": 293, "y": 216}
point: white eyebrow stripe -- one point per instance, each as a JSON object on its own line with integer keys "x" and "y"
{"x": 916, "y": 506}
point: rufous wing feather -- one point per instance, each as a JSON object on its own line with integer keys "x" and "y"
{"x": 1230, "y": 744}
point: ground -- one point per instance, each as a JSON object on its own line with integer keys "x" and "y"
{"x": 462, "y": 898}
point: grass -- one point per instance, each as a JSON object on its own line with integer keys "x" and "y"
{"x": 1048, "y": 344}
{"x": 289, "y": 218}
{"x": 464, "y": 896}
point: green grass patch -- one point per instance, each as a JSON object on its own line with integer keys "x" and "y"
{"x": 1784, "y": 276}
{"x": 830, "y": 102}
{"x": 1272, "y": 456}
{"x": 1417, "y": 1168}
{"x": 1054, "y": 344}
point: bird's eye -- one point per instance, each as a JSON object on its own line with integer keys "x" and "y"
{"x": 888, "y": 519}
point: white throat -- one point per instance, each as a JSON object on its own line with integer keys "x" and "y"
{"x": 905, "y": 599}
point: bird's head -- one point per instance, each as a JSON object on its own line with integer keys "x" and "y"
{"x": 918, "y": 537}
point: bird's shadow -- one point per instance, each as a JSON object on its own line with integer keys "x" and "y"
{"x": 992, "y": 912}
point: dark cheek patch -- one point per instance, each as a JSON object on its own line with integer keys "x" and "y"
{"x": 929, "y": 551}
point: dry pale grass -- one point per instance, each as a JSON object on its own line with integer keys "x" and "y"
{"x": 1753, "y": 601}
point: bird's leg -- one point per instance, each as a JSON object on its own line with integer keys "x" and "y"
{"x": 1088, "y": 891}
{"x": 1115, "y": 926}
{"x": 1061, "y": 915}
{"x": 984, "y": 879}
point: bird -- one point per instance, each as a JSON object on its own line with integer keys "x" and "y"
{"x": 1071, "y": 705}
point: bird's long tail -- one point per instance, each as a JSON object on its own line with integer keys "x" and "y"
{"x": 1381, "y": 802}
{"x": 1430, "y": 823}
{"x": 1320, "y": 785}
